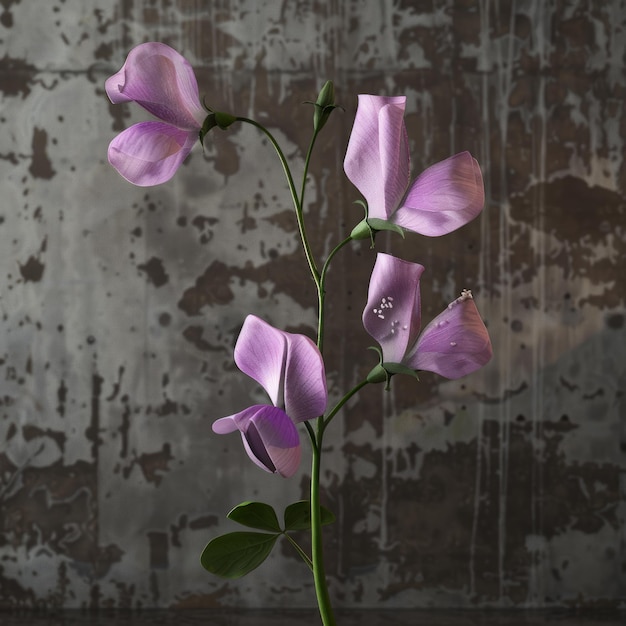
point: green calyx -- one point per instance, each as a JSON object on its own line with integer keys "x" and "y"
{"x": 213, "y": 119}
{"x": 383, "y": 372}
{"x": 368, "y": 227}
{"x": 324, "y": 105}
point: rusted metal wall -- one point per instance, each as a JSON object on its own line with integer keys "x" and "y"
{"x": 120, "y": 306}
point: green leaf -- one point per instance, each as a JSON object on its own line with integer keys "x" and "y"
{"x": 256, "y": 515}
{"x": 298, "y": 516}
{"x": 235, "y": 554}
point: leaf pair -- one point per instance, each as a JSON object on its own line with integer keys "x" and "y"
{"x": 235, "y": 554}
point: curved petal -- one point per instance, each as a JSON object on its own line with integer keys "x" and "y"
{"x": 305, "y": 379}
{"x": 261, "y": 353}
{"x": 444, "y": 197}
{"x": 392, "y": 313}
{"x": 455, "y": 343}
{"x": 149, "y": 153}
{"x": 394, "y": 155}
{"x": 269, "y": 437}
{"x": 162, "y": 81}
{"x": 377, "y": 157}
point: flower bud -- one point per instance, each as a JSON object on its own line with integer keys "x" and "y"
{"x": 324, "y": 105}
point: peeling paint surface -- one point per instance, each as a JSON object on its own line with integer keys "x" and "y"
{"x": 121, "y": 305}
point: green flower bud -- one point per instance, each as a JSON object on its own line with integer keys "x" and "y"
{"x": 324, "y": 105}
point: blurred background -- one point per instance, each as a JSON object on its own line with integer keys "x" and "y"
{"x": 121, "y": 306}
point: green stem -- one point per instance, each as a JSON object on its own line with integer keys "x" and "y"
{"x": 294, "y": 196}
{"x": 321, "y": 292}
{"x": 299, "y": 550}
{"x": 343, "y": 400}
{"x": 317, "y": 546}
{"x": 307, "y": 160}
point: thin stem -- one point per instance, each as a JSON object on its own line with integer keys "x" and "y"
{"x": 343, "y": 400}
{"x": 317, "y": 546}
{"x": 294, "y": 196}
{"x": 307, "y": 160}
{"x": 299, "y": 550}
{"x": 311, "y": 435}
{"x": 321, "y": 293}
{"x": 333, "y": 252}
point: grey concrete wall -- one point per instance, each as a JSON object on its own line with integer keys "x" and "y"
{"x": 120, "y": 306}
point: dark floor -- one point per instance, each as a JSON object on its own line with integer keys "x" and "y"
{"x": 310, "y": 618}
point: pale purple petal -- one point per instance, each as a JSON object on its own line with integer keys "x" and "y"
{"x": 455, "y": 343}
{"x": 261, "y": 353}
{"x": 163, "y": 82}
{"x": 305, "y": 379}
{"x": 377, "y": 158}
{"x": 392, "y": 314}
{"x": 444, "y": 197}
{"x": 149, "y": 153}
{"x": 394, "y": 157}
{"x": 225, "y": 425}
{"x": 269, "y": 437}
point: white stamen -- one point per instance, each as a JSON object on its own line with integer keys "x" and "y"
{"x": 385, "y": 303}
{"x": 466, "y": 294}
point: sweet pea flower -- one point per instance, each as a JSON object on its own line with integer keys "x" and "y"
{"x": 441, "y": 199}
{"x": 162, "y": 81}
{"x": 291, "y": 370}
{"x": 454, "y": 344}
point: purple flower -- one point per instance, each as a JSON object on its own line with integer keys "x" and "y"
{"x": 161, "y": 81}
{"x": 454, "y": 344}
{"x": 290, "y": 368}
{"x": 443, "y": 198}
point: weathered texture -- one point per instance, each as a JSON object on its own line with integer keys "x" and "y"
{"x": 120, "y": 306}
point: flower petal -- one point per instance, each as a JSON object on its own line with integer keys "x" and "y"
{"x": 261, "y": 353}
{"x": 455, "y": 343}
{"x": 162, "y": 81}
{"x": 305, "y": 379}
{"x": 269, "y": 437}
{"x": 392, "y": 314}
{"x": 149, "y": 153}
{"x": 377, "y": 157}
{"x": 288, "y": 366}
{"x": 444, "y": 197}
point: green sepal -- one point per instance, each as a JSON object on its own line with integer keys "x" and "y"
{"x": 224, "y": 120}
{"x": 213, "y": 119}
{"x": 362, "y": 231}
{"x": 208, "y": 124}
{"x": 377, "y": 225}
{"x": 255, "y": 515}
{"x": 383, "y": 372}
{"x": 379, "y": 374}
{"x": 324, "y": 105}
{"x": 398, "y": 368}
{"x": 369, "y": 226}
{"x": 298, "y": 516}
{"x": 235, "y": 554}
